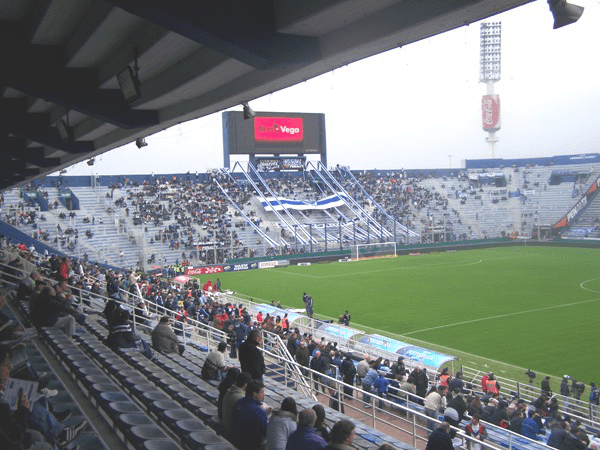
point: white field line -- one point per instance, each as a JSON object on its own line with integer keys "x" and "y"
{"x": 595, "y": 291}
{"x": 499, "y": 316}
{"x": 391, "y": 269}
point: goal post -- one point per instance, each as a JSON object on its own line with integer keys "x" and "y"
{"x": 376, "y": 250}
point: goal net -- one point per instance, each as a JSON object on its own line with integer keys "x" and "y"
{"x": 376, "y": 250}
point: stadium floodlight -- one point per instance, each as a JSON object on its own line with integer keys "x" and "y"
{"x": 248, "y": 113}
{"x": 564, "y": 13}
{"x": 140, "y": 142}
{"x": 91, "y": 161}
{"x": 129, "y": 84}
{"x": 490, "y": 37}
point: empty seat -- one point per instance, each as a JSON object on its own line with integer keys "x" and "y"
{"x": 201, "y": 439}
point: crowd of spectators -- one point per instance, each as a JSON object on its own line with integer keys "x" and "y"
{"x": 58, "y": 303}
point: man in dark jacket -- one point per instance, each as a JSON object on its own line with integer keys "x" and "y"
{"x": 319, "y": 364}
{"x": 251, "y": 358}
{"x": 348, "y": 372}
{"x": 440, "y": 438}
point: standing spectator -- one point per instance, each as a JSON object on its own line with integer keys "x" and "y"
{"x": 361, "y": 369}
{"x": 302, "y": 354}
{"x": 422, "y": 382}
{"x": 164, "y": 339}
{"x": 457, "y": 383}
{"x": 282, "y": 424}
{"x": 306, "y": 436}
{"x": 484, "y": 383}
{"x": 291, "y": 343}
{"x": 367, "y": 383}
{"x": 320, "y": 365}
{"x": 493, "y": 387}
{"x": 594, "y": 397}
{"x": 565, "y": 391}
{"x": 250, "y": 418}
{"x": 250, "y": 356}
{"x": 348, "y": 372}
{"x": 545, "y": 386}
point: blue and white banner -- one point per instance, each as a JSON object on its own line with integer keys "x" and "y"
{"x": 278, "y": 204}
{"x": 417, "y": 354}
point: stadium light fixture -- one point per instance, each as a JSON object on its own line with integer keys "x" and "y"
{"x": 490, "y": 52}
{"x": 91, "y": 161}
{"x": 140, "y": 142}
{"x": 248, "y": 113}
{"x": 564, "y": 13}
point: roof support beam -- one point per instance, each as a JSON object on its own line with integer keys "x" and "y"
{"x": 245, "y": 30}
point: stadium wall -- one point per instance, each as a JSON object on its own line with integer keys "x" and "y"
{"x": 323, "y": 257}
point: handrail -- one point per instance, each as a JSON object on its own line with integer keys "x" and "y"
{"x": 410, "y": 413}
{"x": 567, "y": 405}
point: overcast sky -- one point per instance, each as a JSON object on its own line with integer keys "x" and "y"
{"x": 414, "y": 106}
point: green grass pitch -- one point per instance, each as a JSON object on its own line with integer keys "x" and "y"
{"x": 531, "y": 307}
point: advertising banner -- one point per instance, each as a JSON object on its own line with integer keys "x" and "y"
{"x": 490, "y": 112}
{"x": 579, "y": 206}
{"x": 203, "y": 270}
{"x": 278, "y": 129}
{"x": 267, "y": 264}
{"x": 420, "y": 355}
{"x": 239, "y": 267}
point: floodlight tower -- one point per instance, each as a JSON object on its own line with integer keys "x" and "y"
{"x": 489, "y": 72}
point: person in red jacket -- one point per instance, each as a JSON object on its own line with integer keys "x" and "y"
{"x": 64, "y": 268}
{"x": 484, "y": 383}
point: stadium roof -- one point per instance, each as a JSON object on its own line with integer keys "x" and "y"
{"x": 61, "y": 101}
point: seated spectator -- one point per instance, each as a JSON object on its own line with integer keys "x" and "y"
{"x": 214, "y": 367}
{"x": 282, "y": 424}
{"x": 224, "y": 386}
{"x": 164, "y": 339}
{"x": 235, "y": 392}
{"x": 250, "y": 418}
{"x": 440, "y": 438}
{"x": 558, "y": 432}
{"x": 342, "y": 434}
{"x": 306, "y": 437}
{"x": 48, "y": 311}
{"x": 122, "y": 336}
{"x": 476, "y": 429}
{"x": 320, "y": 424}
{"x": 530, "y": 427}
{"x": 25, "y": 427}
{"x": 455, "y": 411}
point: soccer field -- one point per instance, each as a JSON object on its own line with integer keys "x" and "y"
{"x": 533, "y": 307}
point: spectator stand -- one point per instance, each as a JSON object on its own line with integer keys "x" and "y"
{"x": 580, "y": 409}
{"x": 371, "y": 435}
